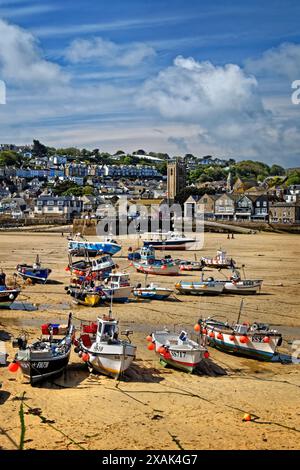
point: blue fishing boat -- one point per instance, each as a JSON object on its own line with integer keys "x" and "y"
{"x": 35, "y": 272}
{"x": 79, "y": 246}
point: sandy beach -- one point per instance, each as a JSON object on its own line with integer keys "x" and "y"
{"x": 154, "y": 407}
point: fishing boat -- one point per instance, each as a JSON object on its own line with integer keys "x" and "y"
{"x": 256, "y": 340}
{"x": 8, "y": 296}
{"x": 101, "y": 348}
{"x": 80, "y": 246}
{"x": 178, "y": 350}
{"x": 93, "y": 269}
{"x": 168, "y": 240}
{"x": 203, "y": 287}
{"x": 236, "y": 285}
{"x": 86, "y": 294}
{"x": 47, "y": 357}
{"x": 117, "y": 287}
{"x": 185, "y": 265}
{"x": 220, "y": 261}
{"x": 35, "y": 272}
{"x": 152, "y": 292}
{"x": 146, "y": 263}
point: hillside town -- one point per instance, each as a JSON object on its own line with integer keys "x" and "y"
{"x": 43, "y": 185}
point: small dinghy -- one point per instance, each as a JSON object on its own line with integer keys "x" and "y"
{"x": 177, "y": 350}
{"x": 254, "y": 340}
{"x": 220, "y": 261}
{"x": 34, "y": 272}
{"x": 101, "y": 348}
{"x": 47, "y": 357}
{"x": 203, "y": 287}
{"x": 152, "y": 292}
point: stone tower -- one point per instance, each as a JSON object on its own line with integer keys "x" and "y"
{"x": 176, "y": 178}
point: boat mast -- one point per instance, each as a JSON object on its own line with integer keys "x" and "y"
{"x": 240, "y": 311}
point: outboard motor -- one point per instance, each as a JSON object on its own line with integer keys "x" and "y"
{"x": 20, "y": 343}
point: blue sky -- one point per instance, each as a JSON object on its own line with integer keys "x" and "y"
{"x": 163, "y": 75}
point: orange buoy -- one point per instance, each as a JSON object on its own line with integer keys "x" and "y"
{"x": 220, "y": 336}
{"x": 149, "y": 338}
{"x": 164, "y": 266}
{"x": 206, "y": 355}
{"x": 232, "y": 337}
{"x": 247, "y": 417}
{"x": 204, "y": 331}
{"x": 162, "y": 350}
{"x": 13, "y": 367}
{"x": 266, "y": 339}
{"x": 85, "y": 357}
{"x": 211, "y": 334}
{"x": 67, "y": 268}
{"x": 197, "y": 327}
{"x": 151, "y": 346}
{"x": 244, "y": 339}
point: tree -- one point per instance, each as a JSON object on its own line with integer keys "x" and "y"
{"x": 277, "y": 170}
{"x": 10, "y": 158}
{"x": 39, "y": 150}
{"x": 294, "y": 178}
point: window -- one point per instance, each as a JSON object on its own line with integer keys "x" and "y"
{"x": 50, "y": 203}
{"x": 39, "y": 203}
{"x": 265, "y": 203}
{"x": 60, "y": 203}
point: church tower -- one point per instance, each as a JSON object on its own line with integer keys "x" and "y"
{"x": 176, "y": 178}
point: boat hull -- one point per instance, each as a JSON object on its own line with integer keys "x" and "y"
{"x": 255, "y": 347}
{"x": 43, "y": 369}
{"x": 113, "y": 360}
{"x": 38, "y": 276}
{"x": 97, "y": 247}
{"x": 244, "y": 287}
{"x": 7, "y": 297}
{"x": 157, "y": 270}
{"x": 178, "y": 356}
{"x": 199, "y": 288}
{"x": 119, "y": 294}
{"x": 152, "y": 294}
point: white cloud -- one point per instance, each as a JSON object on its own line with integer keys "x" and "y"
{"x": 283, "y": 60}
{"x": 21, "y": 60}
{"x": 108, "y": 52}
{"x": 200, "y": 91}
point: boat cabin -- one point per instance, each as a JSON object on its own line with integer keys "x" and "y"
{"x": 107, "y": 329}
{"x": 119, "y": 280}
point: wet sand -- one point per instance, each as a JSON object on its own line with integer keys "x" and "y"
{"x": 154, "y": 407}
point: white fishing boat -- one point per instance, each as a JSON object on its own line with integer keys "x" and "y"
{"x": 178, "y": 350}
{"x": 237, "y": 285}
{"x": 220, "y": 261}
{"x": 203, "y": 287}
{"x": 168, "y": 241}
{"x": 117, "y": 286}
{"x": 256, "y": 340}
{"x": 100, "y": 347}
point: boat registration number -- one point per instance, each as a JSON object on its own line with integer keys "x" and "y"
{"x": 178, "y": 353}
{"x": 40, "y": 365}
{"x": 257, "y": 339}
